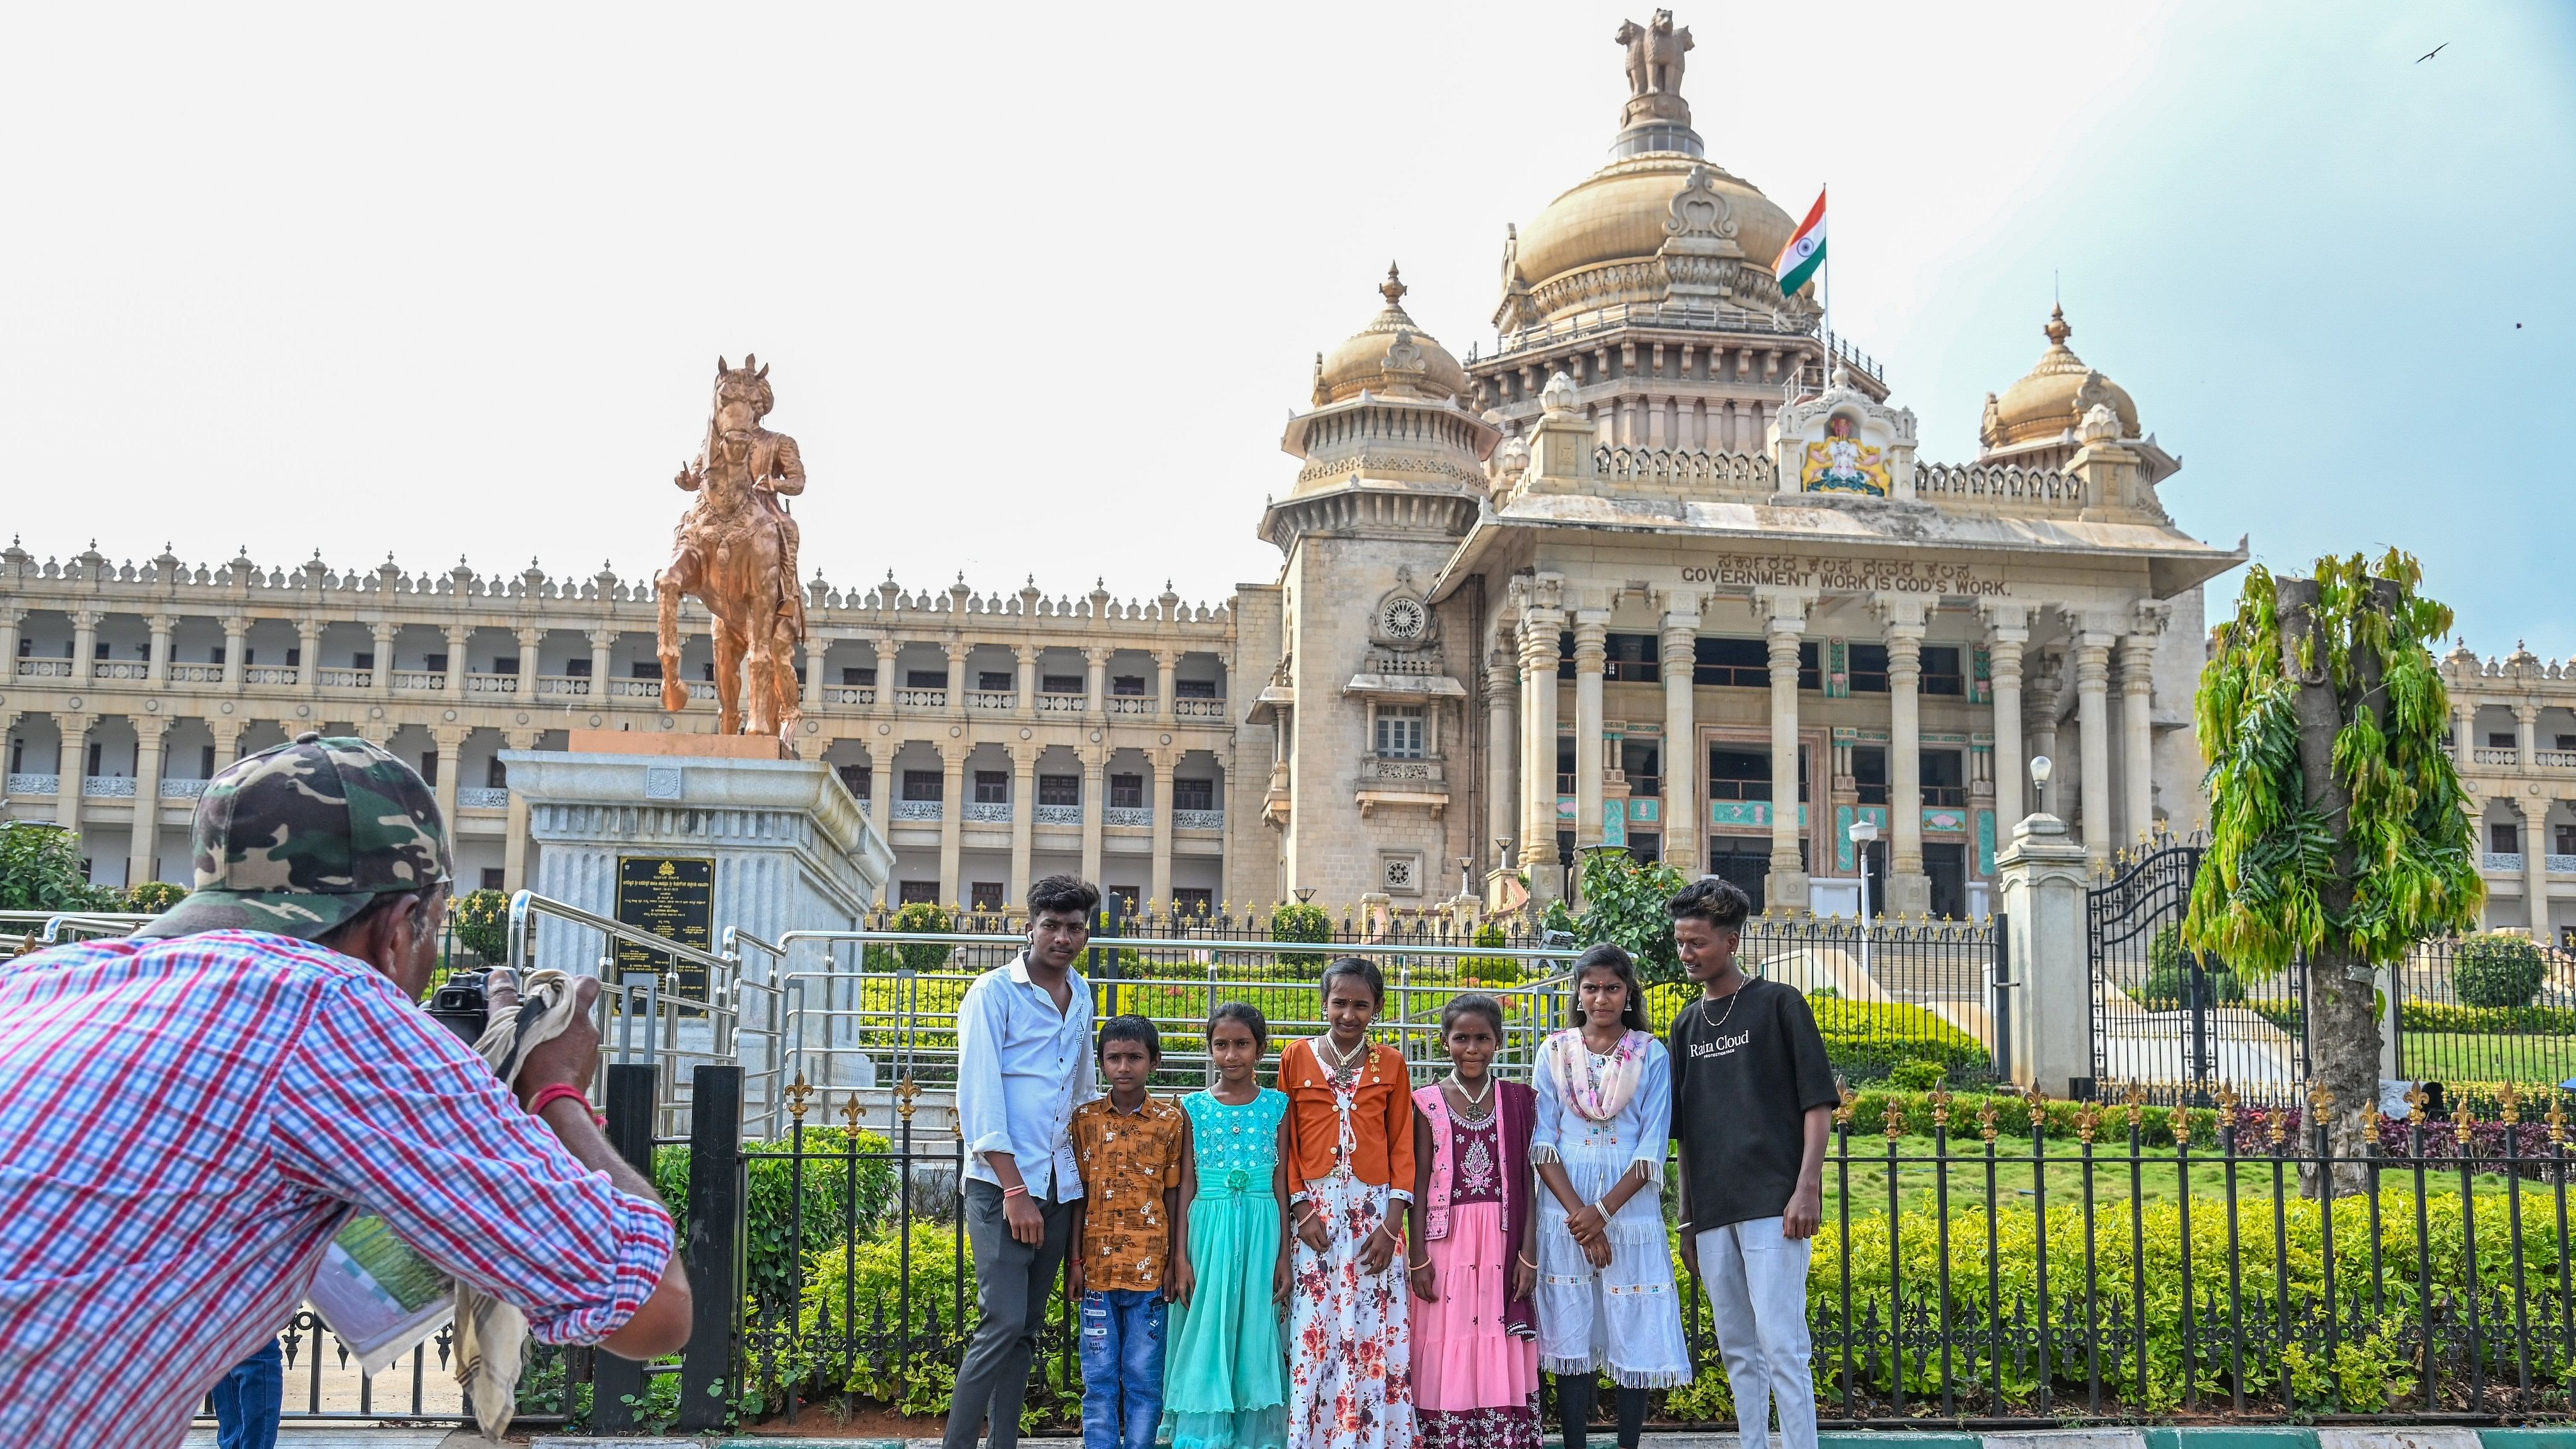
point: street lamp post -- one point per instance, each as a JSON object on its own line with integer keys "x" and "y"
{"x": 2041, "y": 767}
{"x": 1863, "y": 834}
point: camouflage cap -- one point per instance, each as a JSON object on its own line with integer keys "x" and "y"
{"x": 297, "y": 839}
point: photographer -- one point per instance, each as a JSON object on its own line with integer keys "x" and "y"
{"x": 188, "y": 1115}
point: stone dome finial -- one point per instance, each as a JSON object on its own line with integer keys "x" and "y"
{"x": 2052, "y": 400}
{"x": 1393, "y": 288}
{"x": 2057, "y": 329}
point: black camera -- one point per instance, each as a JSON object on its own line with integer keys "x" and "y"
{"x": 464, "y": 1004}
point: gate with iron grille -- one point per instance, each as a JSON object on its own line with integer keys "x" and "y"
{"x": 2171, "y": 1021}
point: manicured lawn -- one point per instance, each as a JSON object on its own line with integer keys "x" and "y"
{"x": 2453, "y": 1056}
{"x": 2159, "y": 1180}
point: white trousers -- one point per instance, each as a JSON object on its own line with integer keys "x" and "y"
{"x": 1757, "y": 1295}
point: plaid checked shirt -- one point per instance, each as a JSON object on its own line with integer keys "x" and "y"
{"x": 183, "y": 1126}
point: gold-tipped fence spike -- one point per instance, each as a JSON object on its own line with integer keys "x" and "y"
{"x": 1895, "y": 1120}
{"x": 2227, "y": 1100}
{"x": 2557, "y": 1119}
{"x": 2088, "y": 1119}
{"x": 2416, "y": 1099}
{"x": 1986, "y": 1119}
{"x": 1940, "y": 1106}
{"x": 797, "y": 1092}
{"x": 2137, "y": 1096}
{"x": 852, "y": 1113}
{"x": 2038, "y": 1102}
{"x": 2511, "y": 1098}
{"x": 2181, "y": 1125}
{"x": 1843, "y": 1109}
{"x": 904, "y": 1092}
{"x": 2463, "y": 1127}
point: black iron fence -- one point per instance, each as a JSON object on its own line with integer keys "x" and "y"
{"x": 2479, "y": 1011}
{"x": 1984, "y": 1257}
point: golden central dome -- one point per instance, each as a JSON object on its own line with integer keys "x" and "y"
{"x": 1621, "y": 213}
{"x": 2053, "y": 397}
{"x": 1391, "y": 357}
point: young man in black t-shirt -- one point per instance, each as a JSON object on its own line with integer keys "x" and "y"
{"x": 1753, "y": 1100}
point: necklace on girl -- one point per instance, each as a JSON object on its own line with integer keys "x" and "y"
{"x": 1338, "y": 1063}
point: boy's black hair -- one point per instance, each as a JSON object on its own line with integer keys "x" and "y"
{"x": 1129, "y": 1028}
{"x": 1471, "y": 1003}
{"x": 1711, "y": 899}
{"x": 1070, "y": 893}
{"x": 1360, "y": 967}
{"x": 1607, "y": 957}
{"x": 1246, "y": 1013}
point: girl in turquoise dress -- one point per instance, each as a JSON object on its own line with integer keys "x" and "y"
{"x": 1225, "y": 1380}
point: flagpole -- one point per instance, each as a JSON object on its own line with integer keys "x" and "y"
{"x": 1825, "y": 283}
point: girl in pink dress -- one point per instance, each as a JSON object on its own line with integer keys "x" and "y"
{"x": 1475, "y": 1341}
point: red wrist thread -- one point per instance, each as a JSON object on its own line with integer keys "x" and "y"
{"x": 561, "y": 1091}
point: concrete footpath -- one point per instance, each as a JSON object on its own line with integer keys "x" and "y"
{"x": 2201, "y": 1437}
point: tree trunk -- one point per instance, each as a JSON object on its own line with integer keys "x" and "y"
{"x": 2342, "y": 1019}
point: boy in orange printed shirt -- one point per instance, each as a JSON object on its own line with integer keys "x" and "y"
{"x": 1131, "y": 1238}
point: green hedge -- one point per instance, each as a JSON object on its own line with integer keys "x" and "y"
{"x": 2488, "y": 1020}
{"x": 1867, "y": 1041}
{"x": 2497, "y": 971}
{"x": 834, "y": 1192}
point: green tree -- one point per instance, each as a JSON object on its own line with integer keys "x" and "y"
{"x": 1301, "y": 922}
{"x": 154, "y": 896}
{"x": 1623, "y": 903}
{"x": 40, "y": 870}
{"x": 926, "y": 917}
{"x": 2497, "y": 970}
{"x": 2338, "y": 829}
{"x": 482, "y": 923}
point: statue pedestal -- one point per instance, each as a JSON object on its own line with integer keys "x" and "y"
{"x": 763, "y": 844}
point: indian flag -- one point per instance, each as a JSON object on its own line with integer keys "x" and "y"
{"x": 1805, "y": 251}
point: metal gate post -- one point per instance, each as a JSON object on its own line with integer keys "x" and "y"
{"x": 630, "y": 1131}
{"x": 713, "y": 1253}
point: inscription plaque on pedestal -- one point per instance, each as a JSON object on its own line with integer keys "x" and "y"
{"x": 672, "y": 896}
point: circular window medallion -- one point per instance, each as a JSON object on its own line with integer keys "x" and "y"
{"x": 1402, "y": 618}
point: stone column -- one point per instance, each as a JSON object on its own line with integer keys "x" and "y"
{"x": 450, "y": 740}
{"x": 886, "y": 647}
{"x": 952, "y": 803}
{"x": 71, "y": 768}
{"x": 1024, "y": 807}
{"x": 1591, "y": 636}
{"x": 514, "y": 850}
{"x": 228, "y": 733}
{"x": 2093, "y": 731}
{"x": 2526, "y": 719}
{"x": 1680, "y": 809}
{"x": 2137, "y": 734}
{"x": 2007, "y": 634}
{"x": 380, "y": 672}
{"x": 1095, "y": 793}
{"x": 236, "y": 632}
{"x": 957, "y": 650}
{"x": 1165, "y": 662}
{"x": 1027, "y": 655}
{"x": 1502, "y": 752}
{"x": 2535, "y": 860}
{"x": 529, "y": 642}
{"x": 1160, "y": 888}
{"x": 159, "y": 675}
{"x": 603, "y": 651}
{"x": 143, "y": 854}
{"x": 1908, "y": 889}
{"x": 2464, "y": 715}
{"x": 11, "y": 616}
{"x": 308, "y": 653}
{"x": 1539, "y": 628}
{"x": 459, "y": 639}
{"x": 1785, "y": 624}
{"x": 881, "y": 785}
{"x": 2040, "y": 879}
{"x": 2039, "y": 718}
{"x": 85, "y": 644}
{"x": 816, "y": 649}
{"x": 1097, "y": 660}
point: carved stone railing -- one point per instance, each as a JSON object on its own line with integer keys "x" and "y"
{"x": 2501, "y": 860}
{"x": 502, "y": 684}
{"x": 564, "y": 686}
{"x": 1059, "y": 815}
{"x": 921, "y": 698}
{"x": 1198, "y": 820}
{"x": 282, "y": 675}
{"x": 28, "y": 783}
{"x": 1411, "y": 662}
{"x": 419, "y": 680}
{"x": 1062, "y": 703}
{"x": 483, "y": 797}
{"x": 2554, "y": 759}
{"x": 988, "y": 812}
{"x": 120, "y": 669}
{"x": 1199, "y": 708}
{"x": 917, "y": 809}
{"x": 182, "y": 789}
{"x": 1384, "y": 772}
{"x": 1128, "y": 815}
{"x": 108, "y": 787}
{"x": 44, "y": 669}
{"x": 2023, "y": 489}
{"x": 1687, "y": 468}
{"x": 346, "y": 678}
{"x": 2486, "y": 755}
{"x": 2559, "y": 864}
{"x": 196, "y": 674}
{"x": 849, "y": 694}
{"x": 992, "y": 701}
{"x": 1131, "y": 704}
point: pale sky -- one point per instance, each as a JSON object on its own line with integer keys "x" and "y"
{"x": 1041, "y": 284}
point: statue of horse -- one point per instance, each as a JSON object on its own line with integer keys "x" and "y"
{"x": 736, "y": 552}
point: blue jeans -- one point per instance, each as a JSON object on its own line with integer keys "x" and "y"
{"x": 1122, "y": 1368}
{"x": 248, "y": 1400}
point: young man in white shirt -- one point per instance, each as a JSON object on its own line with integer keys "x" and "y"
{"x": 1023, "y": 1065}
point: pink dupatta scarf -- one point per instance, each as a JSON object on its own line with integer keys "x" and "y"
{"x": 1595, "y": 1097}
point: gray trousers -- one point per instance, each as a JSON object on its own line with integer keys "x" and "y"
{"x": 1013, "y": 1282}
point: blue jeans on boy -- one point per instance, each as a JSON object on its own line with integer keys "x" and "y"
{"x": 249, "y": 1399}
{"x": 1122, "y": 1368}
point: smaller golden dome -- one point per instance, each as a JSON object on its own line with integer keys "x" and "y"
{"x": 1391, "y": 357}
{"x": 2053, "y": 397}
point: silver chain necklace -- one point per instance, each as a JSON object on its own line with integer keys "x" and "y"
{"x": 1475, "y": 1116}
{"x": 1342, "y": 1066}
{"x": 1731, "y": 998}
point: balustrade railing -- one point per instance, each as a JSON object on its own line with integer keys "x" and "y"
{"x": 1059, "y": 815}
{"x": 108, "y": 787}
{"x": 346, "y": 678}
{"x": 1131, "y": 704}
{"x": 483, "y": 797}
{"x": 28, "y": 782}
{"x": 849, "y": 694}
{"x": 996, "y": 701}
{"x": 1198, "y": 819}
{"x": 419, "y": 680}
{"x": 196, "y": 674}
{"x": 269, "y": 674}
{"x": 1062, "y": 703}
{"x": 562, "y": 686}
{"x": 44, "y": 669}
{"x": 497, "y": 684}
{"x": 988, "y": 812}
{"x": 1200, "y": 708}
{"x": 918, "y": 809}
{"x": 1128, "y": 815}
{"x": 922, "y": 698}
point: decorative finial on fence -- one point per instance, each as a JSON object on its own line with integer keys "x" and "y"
{"x": 2416, "y": 1098}
{"x": 1843, "y": 1109}
{"x": 2321, "y": 1105}
{"x": 2512, "y": 1098}
{"x": 2227, "y": 1100}
{"x": 2181, "y": 1125}
{"x": 2463, "y": 1128}
{"x": 797, "y": 1092}
{"x": 1986, "y": 1119}
{"x": 2277, "y": 1122}
{"x": 2557, "y": 1119}
{"x": 1895, "y": 1120}
{"x": 1940, "y": 1107}
{"x": 2038, "y": 1102}
{"x": 904, "y": 1092}
{"x": 2088, "y": 1119}
{"x": 852, "y": 1113}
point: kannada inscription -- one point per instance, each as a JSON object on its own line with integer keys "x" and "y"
{"x": 673, "y": 897}
{"x": 1844, "y": 575}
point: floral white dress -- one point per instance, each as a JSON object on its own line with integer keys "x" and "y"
{"x": 1626, "y": 1318}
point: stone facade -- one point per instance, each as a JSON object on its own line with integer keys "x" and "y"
{"x": 2513, "y": 732}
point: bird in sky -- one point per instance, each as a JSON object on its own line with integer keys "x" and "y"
{"x": 2436, "y": 50}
